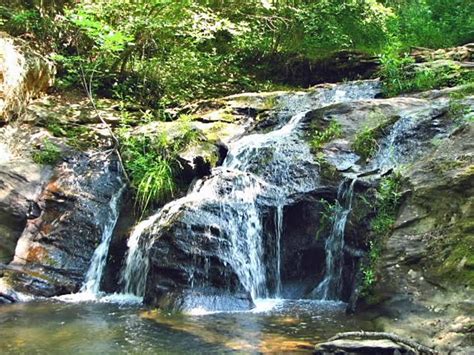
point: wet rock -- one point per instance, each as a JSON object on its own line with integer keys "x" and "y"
{"x": 426, "y": 265}
{"x": 24, "y": 74}
{"x": 222, "y": 237}
{"x": 54, "y": 250}
{"x": 21, "y": 183}
{"x": 199, "y": 250}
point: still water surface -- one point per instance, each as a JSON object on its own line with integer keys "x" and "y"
{"x": 53, "y": 327}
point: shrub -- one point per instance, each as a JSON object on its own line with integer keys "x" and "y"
{"x": 400, "y": 75}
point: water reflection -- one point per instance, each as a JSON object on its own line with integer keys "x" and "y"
{"x": 53, "y": 328}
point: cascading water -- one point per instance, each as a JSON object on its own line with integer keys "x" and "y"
{"x": 90, "y": 289}
{"x": 99, "y": 259}
{"x": 278, "y": 233}
{"x": 237, "y": 207}
{"x": 330, "y": 287}
{"x": 267, "y": 167}
{"x": 133, "y": 275}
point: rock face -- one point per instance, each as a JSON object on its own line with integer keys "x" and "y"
{"x": 227, "y": 235}
{"x": 426, "y": 138}
{"x": 54, "y": 251}
{"x": 427, "y": 262}
{"x": 21, "y": 183}
{"x": 52, "y": 215}
{"x": 24, "y": 74}
{"x": 224, "y": 267}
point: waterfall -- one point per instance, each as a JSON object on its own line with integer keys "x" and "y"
{"x": 278, "y": 233}
{"x": 91, "y": 284}
{"x": 330, "y": 287}
{"x": 133, "y": 274}
{"x": 269, "y": 167}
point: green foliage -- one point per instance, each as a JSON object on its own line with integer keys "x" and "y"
{"x": 387, "y": 201}
{"x": 386, "y": 205}
{"x": 365, "y": 143}
{"x": 152, "y": 162}
{"x": 400, "y": 74}
{"x": 48, "y": 154}
{"x": 319, "y": 138}
{"x": 149, "y": 163}
{"x": 78, "y": 136}
{"x": 326, "y": 169}
{"x": 164, "y": 53}
{"x": 432, "y": 23}
{"x": 326, "y": 216}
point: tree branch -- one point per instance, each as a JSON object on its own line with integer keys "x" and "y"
{"x": 390, "y": 336}
{"x": 88, "y": 89}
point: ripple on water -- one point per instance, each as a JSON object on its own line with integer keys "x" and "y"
{"x": 91, "y": 327}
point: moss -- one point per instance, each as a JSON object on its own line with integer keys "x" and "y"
{"x": 386, "y": 205}
{"x": 366, "y": 140}
{"x": 215, "y": 132}
{"x": 327, "y": 171}
{"x": 209, "y": 152}
{"x": 442, "y": 166}
{"x": 78, "y": 136}
{"x": 227, "y": 116}
{"x": 260, "y": 101}
{"x": 48, "y": 154}
{"x": 270, "y": 103}
{"x": 458, "y": 266}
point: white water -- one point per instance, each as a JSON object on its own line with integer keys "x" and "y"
{"x": 278, "y": 232}
{"x": 90, "y": 290}
{"x": 262, "y": 305}
{"x": 330, "y": 287}
{"x": 245, "y": 177}
{"x": 133, "y": 274}
{"x": 99, "y": 259}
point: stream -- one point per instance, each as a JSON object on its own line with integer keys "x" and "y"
{"x": 261, "y": 173}
{"x": 104, "y": 328}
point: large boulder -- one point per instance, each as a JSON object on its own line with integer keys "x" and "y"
{"x": 54, "y": 251}
{"x": 21, "y": 183}
{"x": 54, "y": 212}
{"x": 224, "y": 238}
{"x": 24, "y": 74}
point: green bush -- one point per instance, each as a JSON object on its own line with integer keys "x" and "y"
{"x": 149, "y": 163}
{"x": 152, "y": 162}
